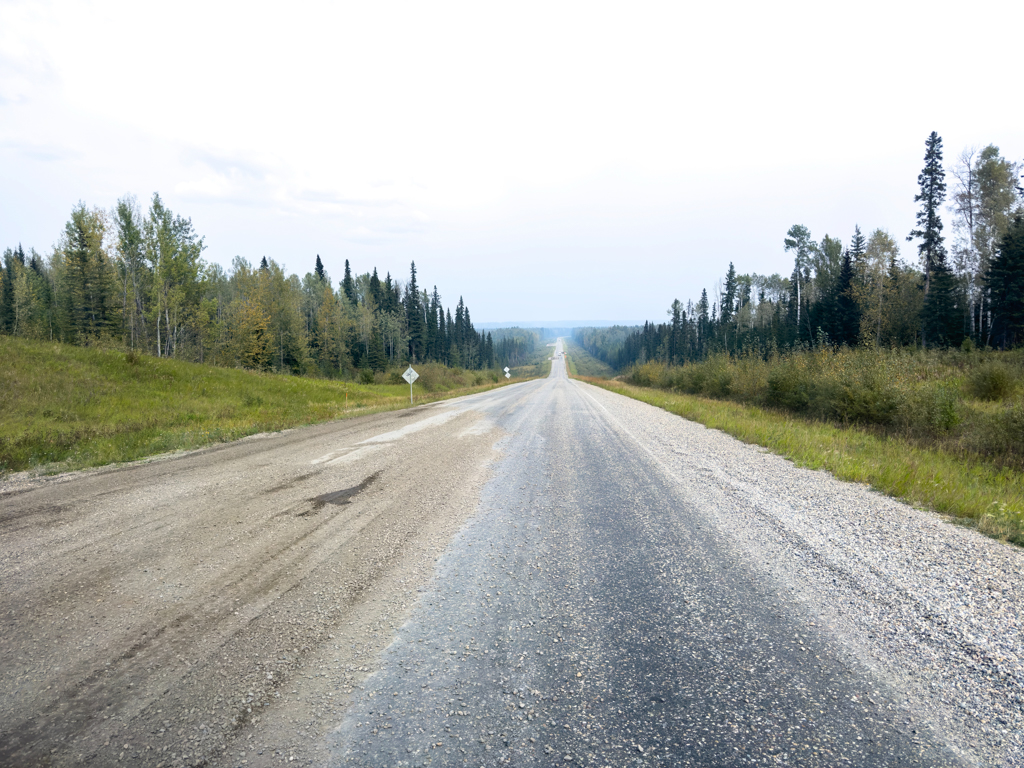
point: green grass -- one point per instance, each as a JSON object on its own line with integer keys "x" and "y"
{"x": 971, "y": 490}
{"x": 64, "y": 407}
{"x": 581, "y": 363}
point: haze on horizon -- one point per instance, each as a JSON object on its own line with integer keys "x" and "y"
{"x": 563, "y": 161}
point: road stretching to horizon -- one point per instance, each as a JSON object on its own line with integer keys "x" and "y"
{"x": 543, "y": 574}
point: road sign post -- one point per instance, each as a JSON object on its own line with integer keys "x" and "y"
{"x": 410, "y": 375}
{"x": 507, "y": 374}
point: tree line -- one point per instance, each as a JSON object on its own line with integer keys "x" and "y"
{"x": 136, "y": 279}
{"x": 970, "y": 293}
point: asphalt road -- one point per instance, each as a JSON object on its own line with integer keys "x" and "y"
{"x": 545, "y": 574}
{"x": 589, "y": 616}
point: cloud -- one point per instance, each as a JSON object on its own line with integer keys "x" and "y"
{"x": 242, "y": 179}
{"x": 43, "y": 152}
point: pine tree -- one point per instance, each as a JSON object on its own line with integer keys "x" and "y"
{"x": 932, "y": 181}
{"x": 318, "y": 270}
{"x": 264, "y": 266}
{"x": 1005, "y": 280}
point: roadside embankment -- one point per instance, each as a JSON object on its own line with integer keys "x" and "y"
{"x": 64, "y": 407}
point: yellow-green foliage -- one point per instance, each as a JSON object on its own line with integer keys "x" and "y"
{"x": 992, "y": 498}
{"x": 68, "y": 407}
{"x": 966, "y": 402}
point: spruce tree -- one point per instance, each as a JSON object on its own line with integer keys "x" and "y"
{"x": 378, "y": 360}
{"x": 675, "y": 339}
{"x": 414, "y": 316}
{"x": 7, "y": 292}
{"x": 377, "y": 291}
{"x": 1005, "y": 280}
{"x": 845, "y": 326}
{"x": 932, "y": 181}
{"x": 940, "y": 321}
{"x": 858, "y": 247}
{"x": 348, "y": 285}
{"x": 264, "y": 266}
{"x": 318, "y": 270}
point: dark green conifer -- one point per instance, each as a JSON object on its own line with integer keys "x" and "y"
{"x": 1005, "y": 280}
{"x": 932, "y": 182}
{"x": 348, "y": 286}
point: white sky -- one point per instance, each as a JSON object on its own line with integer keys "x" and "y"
{"x": 548, "y": 161}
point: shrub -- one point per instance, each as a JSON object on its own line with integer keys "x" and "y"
{"x": 648, "y": 375}
{"x": 992, "y": 380}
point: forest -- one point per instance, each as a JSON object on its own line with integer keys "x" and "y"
{"x": 969, "y": 294}
{"x": 133, "y": 279}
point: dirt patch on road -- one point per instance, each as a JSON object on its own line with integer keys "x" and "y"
{"x": 218, "y": 609}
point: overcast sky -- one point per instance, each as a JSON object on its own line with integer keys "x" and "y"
{"x": 547, "y": 161}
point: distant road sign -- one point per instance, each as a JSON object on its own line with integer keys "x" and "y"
{"x": 410, "y": 375}
{"x": 506, "y": 369}
{"x": 508, "y": 375}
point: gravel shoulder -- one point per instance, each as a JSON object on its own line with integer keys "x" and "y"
{"x": 935, "y": 609}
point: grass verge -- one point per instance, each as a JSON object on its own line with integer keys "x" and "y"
{"x": 581, "y": 363}
{"x": 973, "y": 492}
{"x": 64, "y": 407}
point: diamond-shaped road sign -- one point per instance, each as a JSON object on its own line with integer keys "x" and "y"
{"x": 506, "y": 369}
{"x": 410, "y": 375}
{"x": 508, "y": 375}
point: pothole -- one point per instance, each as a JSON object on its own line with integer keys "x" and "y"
{"x": 341, "y": 497}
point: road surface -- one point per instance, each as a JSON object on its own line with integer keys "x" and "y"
{"x": 544, "y": 574}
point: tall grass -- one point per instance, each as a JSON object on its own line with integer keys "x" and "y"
{"x": 66, "y": 407}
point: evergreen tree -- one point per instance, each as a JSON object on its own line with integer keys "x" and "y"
{"x": 858, "y": 247}
{"x": 318, "y": 270}
{"x": 348, "y": 285}
{"x": 378, "y": 360}
{"x": 377, "y": 291}
{"x": 675, "y": 339}
{"x": 703, "y": 325}
{"x": 264, "y": 267}
{"x": 488, "y": 352}
{"x": 88, "y": 277}
{"x": 845, "y": 325}
{"x": 1005, "y": 280}
{"x": 932, "y": 181}
{"x": 7, "y": 292}
{"x": 414, "y": 317}
{"x": 940, "y": 321}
